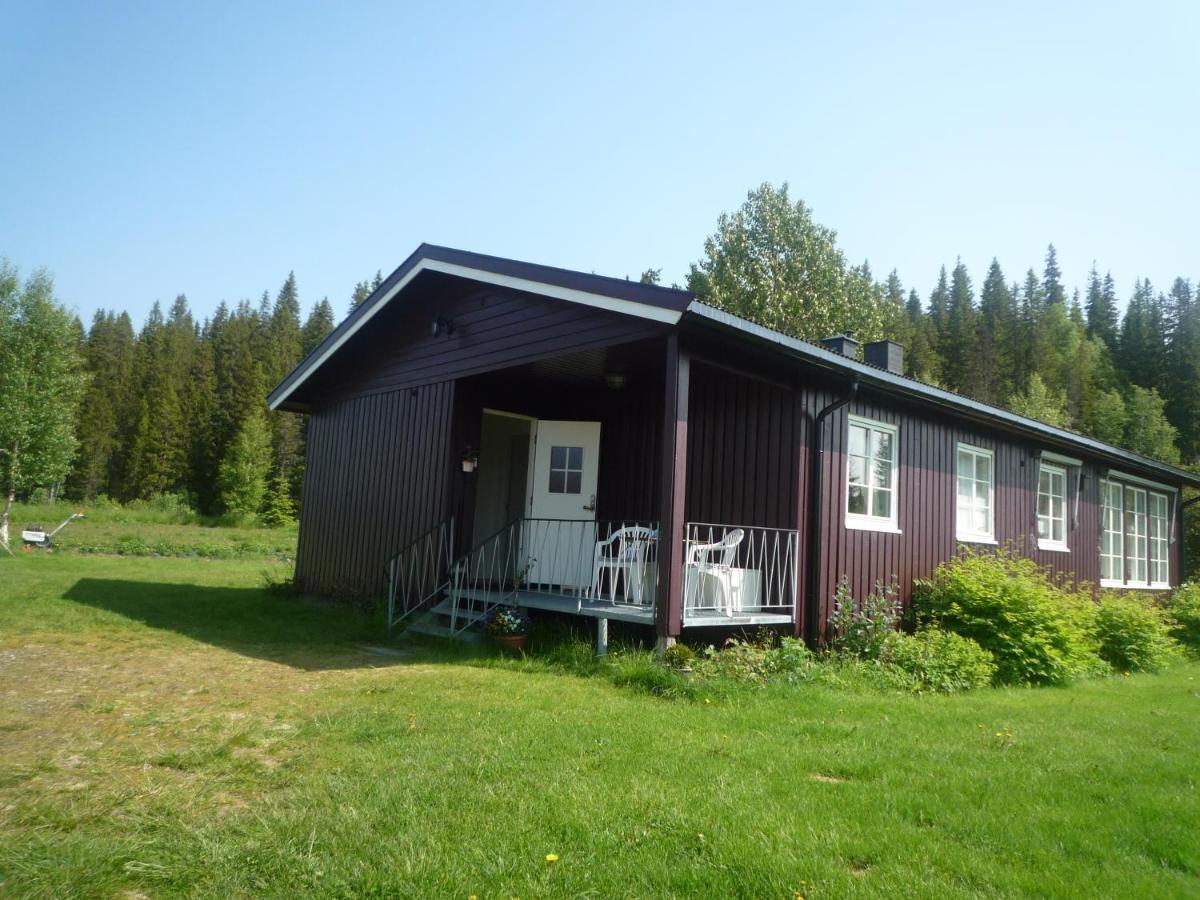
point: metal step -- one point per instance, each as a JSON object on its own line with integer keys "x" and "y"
{"x": 443, "y": 631}
{"x": 465, "y": 614}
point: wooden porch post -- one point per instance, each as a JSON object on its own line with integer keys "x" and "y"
{"x": 674, "y": 489}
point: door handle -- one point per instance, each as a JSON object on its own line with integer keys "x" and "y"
{"x": 591, "y": 505}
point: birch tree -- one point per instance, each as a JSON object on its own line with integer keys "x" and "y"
{"x": 40, "y": 386}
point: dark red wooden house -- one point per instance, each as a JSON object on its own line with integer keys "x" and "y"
{"x": 486, "y": 431}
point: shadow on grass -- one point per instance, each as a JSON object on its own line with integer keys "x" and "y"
{"x": 249, "y": 621}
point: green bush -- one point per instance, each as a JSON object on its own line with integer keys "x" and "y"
{"x": 937, "y": 660}
{"x": 861, "y": 630}
{"x": 759, "y": 661}
{"x": 677, "y": 656}
{"x": 1038, "y": 631}
{"x": 1133, "y": 635}
{"x": 1184, "y": 611}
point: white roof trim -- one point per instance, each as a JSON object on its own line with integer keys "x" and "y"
{"x": 1051, "y": 457}
{"x": 1114, "y": 475}
{"x": 571, "y": 295}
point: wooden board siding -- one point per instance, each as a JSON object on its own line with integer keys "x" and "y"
{"x": 493, "y": 328}
{"x": 927, "y": 496}
{"x": 749, "y": 438}
{"x": 745, "y": 442}
{"x": 377, "y": 477}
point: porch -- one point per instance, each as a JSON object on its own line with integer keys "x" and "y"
{"x": 607, "y": 571}
{"x": 569, "y": 492}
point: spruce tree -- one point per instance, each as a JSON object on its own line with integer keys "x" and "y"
{"x": 317, "y": 326}
{"x": 921, "y": 361}
{"x": 997, "y": 321}
{"x": 242, "y": 479}
{"x": 1102, "y": 308}
{"x": 960, "y": 348}
{"x": 1052, "y": 279}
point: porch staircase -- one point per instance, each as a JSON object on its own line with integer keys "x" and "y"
{"x": 439, "y": 595}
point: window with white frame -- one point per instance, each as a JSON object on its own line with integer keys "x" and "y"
{"x": 976, "y": 490}
{"x": 871, "y": 477}
{"x": 1112, "y": 535}
{"x": 1052, "y": 507}
{"x": 1159, "y": 541}
{"x": 1134, "y": 537}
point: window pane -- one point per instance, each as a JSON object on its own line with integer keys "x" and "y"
{"x": 983, "y": 468}
{"x": 1043, "y": 504}
{"x": 858, "y": 440}
{"x": 981, "y": 521}
{"x": 574, "y": 482}
{"x": 574, "y": 457}
{"x": 882, "y": 504}
{"x": 858, "y": 470}
{"x": 558, "y": 457}
{"x": 1043, "y": 527}
{"x": 557, "y": 482}
{"x": 1044, "y": 482}
{"x": 858, "y": 500}
{"x": 966, "y": 462}
{"x": 882, "y": 445}
{"x": 981, "y": 491}
{"x": 965, "y": 491}
{"x": 882, "y": 474}
{"x": 1058, "y": 531}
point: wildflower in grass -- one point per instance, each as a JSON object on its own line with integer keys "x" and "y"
{"x": 551, "y": 857}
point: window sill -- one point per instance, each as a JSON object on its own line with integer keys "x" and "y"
{"x": 865, "y": 523}
{"x": 1124, "y": 586}
{"x": 974, "y": 539}
{"x": 1053, "y": 546}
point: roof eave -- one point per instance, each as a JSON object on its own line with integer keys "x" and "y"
{"x": 908, "y": 387}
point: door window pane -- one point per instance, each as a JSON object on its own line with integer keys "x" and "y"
{"x": 566, "y": 470}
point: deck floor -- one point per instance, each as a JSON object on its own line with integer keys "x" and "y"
{"x": 600, "y": 608}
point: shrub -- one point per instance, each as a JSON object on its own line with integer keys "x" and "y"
{"x": 1133, "y": 635}
{"x": 862, "y": 630}
{"x": 1184, "y": 611}
{"x": 678, "y": 656}
{"x": 937, "y": 660}
{"x": 1038, "y": 631}
{"x": 758, "y": 661}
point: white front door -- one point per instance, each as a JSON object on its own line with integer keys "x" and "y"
{"x": 560, "y": 532}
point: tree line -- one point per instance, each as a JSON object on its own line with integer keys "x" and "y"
{"x": 178, "y": 406}
{"x": 1064, "y": 356}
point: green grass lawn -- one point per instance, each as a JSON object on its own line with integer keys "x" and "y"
{"x": 167, "y": 726}
{"x": 148, "y": 531}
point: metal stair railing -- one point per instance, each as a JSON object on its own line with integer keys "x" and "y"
{"x": 418, "y": 573}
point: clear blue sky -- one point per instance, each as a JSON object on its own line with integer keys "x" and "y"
{"x": 151, "y": 149}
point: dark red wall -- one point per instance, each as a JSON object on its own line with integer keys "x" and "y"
{"x": 378, "y": 475}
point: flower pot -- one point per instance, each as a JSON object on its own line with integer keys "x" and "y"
{"x": 511, "y": 641}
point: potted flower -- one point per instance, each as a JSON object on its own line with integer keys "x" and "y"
{"x": 508, "y": 626}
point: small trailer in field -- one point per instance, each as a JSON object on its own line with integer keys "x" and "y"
{"x": 37, "y": 536}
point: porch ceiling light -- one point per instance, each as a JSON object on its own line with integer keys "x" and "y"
{"x": 615, "y": 380}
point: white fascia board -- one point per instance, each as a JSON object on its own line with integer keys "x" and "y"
{"x": 571, "y": 295}
{"x": 1114, "y": 475}
{"x": 1052, "y": 457}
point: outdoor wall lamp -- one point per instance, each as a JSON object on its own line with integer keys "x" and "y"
{"x": 615, "y": 380}
{"x": 442, "y": 326}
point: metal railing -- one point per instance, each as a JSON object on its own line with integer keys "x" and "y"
{"x": 736, "y": 571}
{"x": 607, "y": 562}
{"x": 417, "y": 574}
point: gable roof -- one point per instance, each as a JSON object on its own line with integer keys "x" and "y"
{"x": 649, "y": 301}
{"x": 672, "y": 306}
